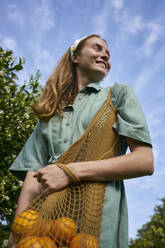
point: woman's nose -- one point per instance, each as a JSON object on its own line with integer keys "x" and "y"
{"x": 104, "y": 55}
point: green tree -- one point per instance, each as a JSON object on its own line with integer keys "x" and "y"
{"x": 152, "y": 234}
{"x": 16, "y": 124}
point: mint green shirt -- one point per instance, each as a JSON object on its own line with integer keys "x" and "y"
{"x": 51, "y": 139}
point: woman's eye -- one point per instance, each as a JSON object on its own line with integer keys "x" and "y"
{"x": 96, "y": 48}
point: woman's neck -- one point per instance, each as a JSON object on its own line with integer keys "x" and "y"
{"x": 82, "y": 82}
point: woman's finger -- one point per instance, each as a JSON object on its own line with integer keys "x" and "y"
{"x": 38, "y": 175}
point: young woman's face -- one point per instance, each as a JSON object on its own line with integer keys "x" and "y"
{"x": 93, "y": 60}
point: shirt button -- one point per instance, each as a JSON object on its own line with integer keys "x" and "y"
{"x": 79, "y": 98}
{"x": 67, "y": 124}
{"x": 65, "y": 140}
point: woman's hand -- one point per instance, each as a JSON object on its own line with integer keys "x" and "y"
{"x": 52, "y": 178}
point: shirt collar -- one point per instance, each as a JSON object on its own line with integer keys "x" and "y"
{"x": 91, "y": 88}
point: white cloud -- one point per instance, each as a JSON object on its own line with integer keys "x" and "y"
{"x": 160, "y": 173}
{"x": 144, "y": 77}
{"x": 44, "y": 15}
{"x": 150, "y": 70}
{"x": 156, "y": 153}
{"x": 155, "y": 31}
{"x": 134, "y": 25}
{"x": 154, "y": 117}
{"x": 100, "y": 21}
{"x": 130, "y": 24}
{"x": 158, "y": 132}
{"x": 9, "y": 43}
{"x": 118, "y": 4}
{"x": 44, "y": 61}
{"x": 148, "y": 182}
{"x": 14, "y": 14}
{"x": 23, "y": 75}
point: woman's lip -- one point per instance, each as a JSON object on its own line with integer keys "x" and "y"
{"x": 102, "y": 62}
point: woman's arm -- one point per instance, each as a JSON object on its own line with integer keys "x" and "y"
{"x": 30, "y": 189}
{"x": 139, "y": 162}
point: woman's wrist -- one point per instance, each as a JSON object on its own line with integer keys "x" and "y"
{"x": 74, "y": 167}
{"x": 81, "y": 169}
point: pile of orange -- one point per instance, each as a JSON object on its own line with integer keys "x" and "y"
{"x": 62, "y": 231}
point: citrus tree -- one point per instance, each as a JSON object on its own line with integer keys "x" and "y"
{"x": 152, "y": 234}
{"x": 16, "y": 124}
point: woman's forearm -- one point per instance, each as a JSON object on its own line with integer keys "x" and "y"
{"x": 135, "y": 164}
{"x": 30, "y": 189}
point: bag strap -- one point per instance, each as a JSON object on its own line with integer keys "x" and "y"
{"x": 69, "y": 173}
{"x": 110, "y": 99}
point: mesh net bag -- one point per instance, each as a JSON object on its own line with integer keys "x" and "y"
{"x": 72, "y": 217}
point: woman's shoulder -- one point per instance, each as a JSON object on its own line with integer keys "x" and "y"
{"x": 120, "y": 91}
{"x": 119, "y": 88}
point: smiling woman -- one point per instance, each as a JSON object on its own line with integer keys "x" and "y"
{"x": 75, "y": 158}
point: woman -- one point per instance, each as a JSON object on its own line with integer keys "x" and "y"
{"x": 71, "y": 99}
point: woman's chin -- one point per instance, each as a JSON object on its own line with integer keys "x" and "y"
{"x": 99, "y": 76}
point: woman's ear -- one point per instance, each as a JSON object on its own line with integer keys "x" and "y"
{"x": 75, "y": 58}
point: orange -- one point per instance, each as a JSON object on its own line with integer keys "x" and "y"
{"x": 83, "y": 240}
{"x": 25, "y": 221}
{"x": 64, "y": 230}
{"x": 37, "y": 242}
{"x": 45, "y": 228}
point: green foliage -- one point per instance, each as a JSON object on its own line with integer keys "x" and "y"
{"x": 16, "y": 124}
{"x": 152, "y": 234}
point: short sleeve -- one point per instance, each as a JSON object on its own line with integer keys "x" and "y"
{"x": 33, "y": 156}
{"x": 131, "y": 121}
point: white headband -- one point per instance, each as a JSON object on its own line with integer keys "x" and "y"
{"x": 75, "y": 45}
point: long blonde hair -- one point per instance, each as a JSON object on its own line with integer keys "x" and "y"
{"x": 61, "y": 87}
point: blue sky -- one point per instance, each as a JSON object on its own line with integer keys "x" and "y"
{"x": 42, "y": 30}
